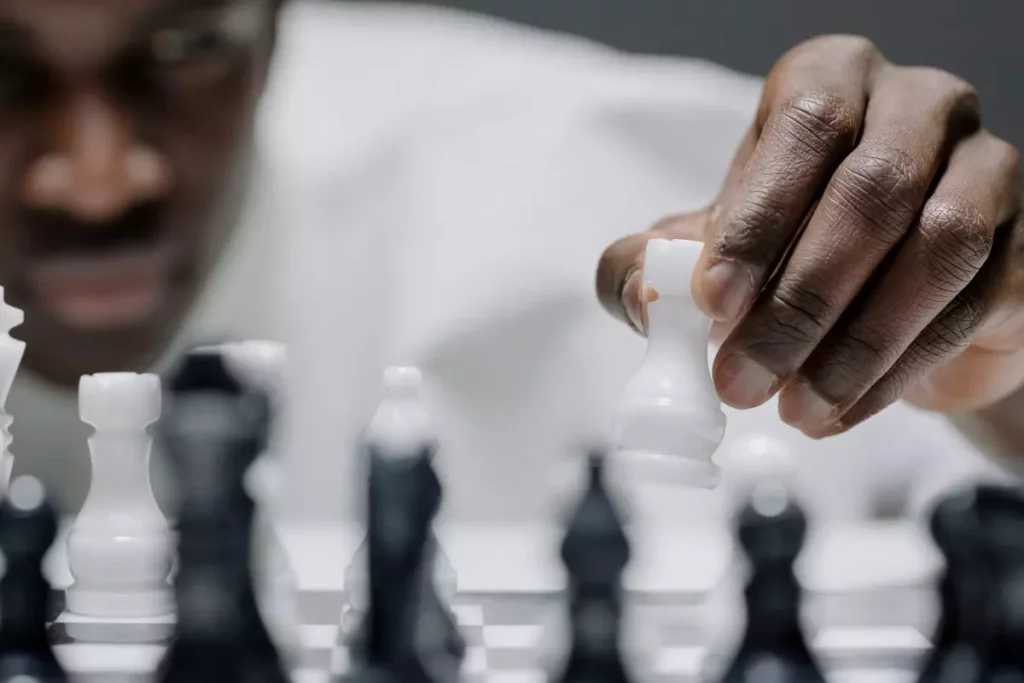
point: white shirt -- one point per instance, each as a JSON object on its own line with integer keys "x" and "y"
{"x": 436, "y": 190}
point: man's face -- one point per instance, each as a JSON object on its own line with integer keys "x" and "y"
{"x": 122, "y": 123}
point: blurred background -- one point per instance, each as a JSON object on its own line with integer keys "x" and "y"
{"x": 980, "y": 41}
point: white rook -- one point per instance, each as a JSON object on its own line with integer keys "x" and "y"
{"x": 119, "y": 550}
{"x": 670, "y": 421}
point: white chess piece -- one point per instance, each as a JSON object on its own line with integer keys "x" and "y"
{"x": 11, "y": 352}
{"x": 401, "y": 423}
{"x": 670, "y": 422}
{"x": 119, "y": 548}
{"x": 751, "y": 459}
{"x": 263, "y": 363}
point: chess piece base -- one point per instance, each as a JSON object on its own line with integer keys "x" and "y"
{"x": 96, "y": 603}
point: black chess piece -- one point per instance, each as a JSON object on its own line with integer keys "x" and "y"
{"x": 771, "y": 529}
{"x": 437, "y": 634}
{"x": 212, "y": 430}
{"x": 595, "y": 553}
{"x": 403, "y": 497}
{"x": 439, "y": 622}
{"x": 960, "y": 641}
{"x": 1000, "y": 530}
{"x": 438, "y": 637}
{"x": 28, "y": 527}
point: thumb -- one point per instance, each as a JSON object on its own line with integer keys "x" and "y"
{"x": 620, "y": 271}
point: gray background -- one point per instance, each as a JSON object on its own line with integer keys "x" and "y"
{"x": 979, "y": 40}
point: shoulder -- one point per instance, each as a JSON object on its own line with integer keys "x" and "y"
{"x": 352, "y": 79}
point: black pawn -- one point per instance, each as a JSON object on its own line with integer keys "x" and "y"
{"x": 961, "y": 634}
{"x": 28, "y": 527}
{"x": 403, "y": 497}
{"x": 772, "y": 529}
{"x": 212, "y": 430}
{"x": 595, "y": 552}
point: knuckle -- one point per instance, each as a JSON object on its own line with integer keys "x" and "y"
{"x": 957, "y": 239}
{"x": 951, "y": 332}
{"x": 762, "y": 212}
{"x": 889, "y": 389}
{"x": 1005, "y": 157}
{"x": 851, "y": 365}
{"x": 883, "y": 185}
{"x": 818, "y": 120}
{"x": 853, "y": 46}
{"x": 948, "y": 87}
{"x": 961, "y": 320}
{"x": 956, "y": 91}
{"x": 798, "y": 312}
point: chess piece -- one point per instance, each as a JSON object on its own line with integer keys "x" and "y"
{"x": 1000, "y": 526}
{"x": 119, "y": 549}
{"x": 401, "y": 423}
{"x": 262, "y": 364}
{"x": 772, "y": 530}
{"x": 748, "y": 461}
{"x": 959, "y": 641}
{"x": 595, "y": 552}
{"x": 11, "y": 352}
{"x": 670, "y": 421}
{"x": 28, "y": 527}
{"x": 213, "y": 429}
{"x": 402, "y": 497}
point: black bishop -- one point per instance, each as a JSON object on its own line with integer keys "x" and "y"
{"x": 595, "y": 553}
{"x": 772, "y": 529}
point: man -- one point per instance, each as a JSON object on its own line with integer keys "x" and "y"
{"x": 437, "y": 189}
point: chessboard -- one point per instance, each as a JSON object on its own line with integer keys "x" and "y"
{"x": 505, "y": 635}
{"x": 870, "y": 627}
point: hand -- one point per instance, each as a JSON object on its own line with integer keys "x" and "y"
{"x": 866, "y": 246}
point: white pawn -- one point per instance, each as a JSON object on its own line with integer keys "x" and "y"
{"x": 401, "y": 424}
{"x": 263, "y": 364}
{"x": 119, "y": 549}
{"x": 11, "y": 352}
{"x": 670, "y": 421}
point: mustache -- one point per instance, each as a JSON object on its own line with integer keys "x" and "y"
{"x": 52, "y": 232}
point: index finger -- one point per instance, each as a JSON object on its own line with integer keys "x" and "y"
{"x": 811, "y": 113}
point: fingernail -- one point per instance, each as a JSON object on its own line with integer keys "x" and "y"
{"x": 726, "y": 288}
{"x": 802, "y": 407}
{"x": 743, "y": 382}
{"x": 827, "y": 430}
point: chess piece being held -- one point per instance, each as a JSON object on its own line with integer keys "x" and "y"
{"x": 670, "y": 421}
